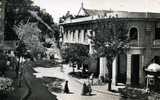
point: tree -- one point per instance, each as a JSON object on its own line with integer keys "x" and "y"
{"x": 28, "y": 35}
{"x": 17, "y": 11}
{"x": 110, "y": 40}
{"x": 76, "y": 53}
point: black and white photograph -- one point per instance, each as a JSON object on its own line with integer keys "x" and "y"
{"x": 79, "y": 49}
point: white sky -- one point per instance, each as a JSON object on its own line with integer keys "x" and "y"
{"x": 57, "y": 8}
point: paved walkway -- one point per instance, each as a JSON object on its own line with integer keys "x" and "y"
{"x": 75, "y": 85}
{"x": 38, "y": 91}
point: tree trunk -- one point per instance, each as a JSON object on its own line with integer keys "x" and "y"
{"x": 109, "y": 65}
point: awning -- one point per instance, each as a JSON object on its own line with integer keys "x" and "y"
{"x": 153, "y": 68}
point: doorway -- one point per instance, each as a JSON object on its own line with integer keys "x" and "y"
{"x": 135, "y": 61}
{"x": 122, "y": 69}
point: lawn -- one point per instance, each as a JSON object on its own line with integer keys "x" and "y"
{"x": 53, "y": 84}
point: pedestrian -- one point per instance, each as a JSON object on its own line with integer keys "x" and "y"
{"x": 91, "y": 78}
{"x": 84, "y": 89}
{"x": 89, "y": 88}
{"x": 66, "y": 89}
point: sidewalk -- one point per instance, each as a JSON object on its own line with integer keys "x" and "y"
{"x": 97, "y": 88}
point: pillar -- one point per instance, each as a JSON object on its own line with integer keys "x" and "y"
{"x": 114, "y": 71}
{"x": 128, "y": 68}
{"x": 103, "y": 66}
{"x": 87, "y": 38}
{"x": 65, "y": 36}
{"x": 76, "y": 36}
{"x": 69, "y": 36}
{"x": 141, "y": 71}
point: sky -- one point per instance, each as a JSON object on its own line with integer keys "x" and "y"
{"x": 58, "y": 8}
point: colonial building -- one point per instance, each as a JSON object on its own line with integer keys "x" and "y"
{"x": 144, "y": 35}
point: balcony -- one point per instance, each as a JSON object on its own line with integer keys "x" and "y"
{"x": 133, "y": 43}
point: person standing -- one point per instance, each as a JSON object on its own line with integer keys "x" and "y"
{"x": 89, "y": 88}
{"x": 66, "y": 89}
{"x": 91, "y": 78}
{"x": 84, "y": 89}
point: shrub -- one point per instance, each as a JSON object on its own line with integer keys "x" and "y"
{"x": 133, "y": 93}
{"x": 6, "y": 87}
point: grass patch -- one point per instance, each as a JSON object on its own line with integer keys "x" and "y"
{"x": 53, "y": 84}
{"x": 46, "y": 63}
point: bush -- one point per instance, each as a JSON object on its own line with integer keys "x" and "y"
{"x": 134, "y": 93}
{"x": 6, "y": 87}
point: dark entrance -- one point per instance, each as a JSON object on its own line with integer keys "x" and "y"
{"x": 135, "y": 69}
{"x": 122, "y": 68}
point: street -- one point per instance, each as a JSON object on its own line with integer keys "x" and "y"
{"x": 75, "y": 86}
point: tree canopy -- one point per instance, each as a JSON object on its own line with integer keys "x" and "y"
{"x": 76, "y": 53}
{"x": 28, "y": 35}
{"x": 16, "y": 11}
{"x": 110, "y": 40}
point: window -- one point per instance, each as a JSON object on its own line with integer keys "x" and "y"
{"x": 73, "y": 35}
{"x": 85, "y": 35}
{"x": 133, "y": 34}
{"x": 157, "y": 31}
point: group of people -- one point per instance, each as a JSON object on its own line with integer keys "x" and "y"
{"x": 86, "y": 89}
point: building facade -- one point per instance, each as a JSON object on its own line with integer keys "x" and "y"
{"x": 144, "y": 44}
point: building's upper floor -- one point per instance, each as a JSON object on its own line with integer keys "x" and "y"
{"x": 143, "y": 27}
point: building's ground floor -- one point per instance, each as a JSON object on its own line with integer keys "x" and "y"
{"x": 129, "y": 68}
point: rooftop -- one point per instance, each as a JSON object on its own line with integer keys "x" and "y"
{"x": 92, "y": 14}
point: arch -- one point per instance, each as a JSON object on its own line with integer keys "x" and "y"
{"x": 133, "y": 34}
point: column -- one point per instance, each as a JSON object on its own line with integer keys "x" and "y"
{"x": 114, "y": 71}
{"x": 65, "y": 37}
{"x": 72, "y": 36}
{"x": 68, "y": 32}
{"x": 87, "y": 38}
{"x": 141, "y": 72}
{"x": 76, "y": 36}
{"x": 103, "y": 66}
{"x": 128, "y": 68}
